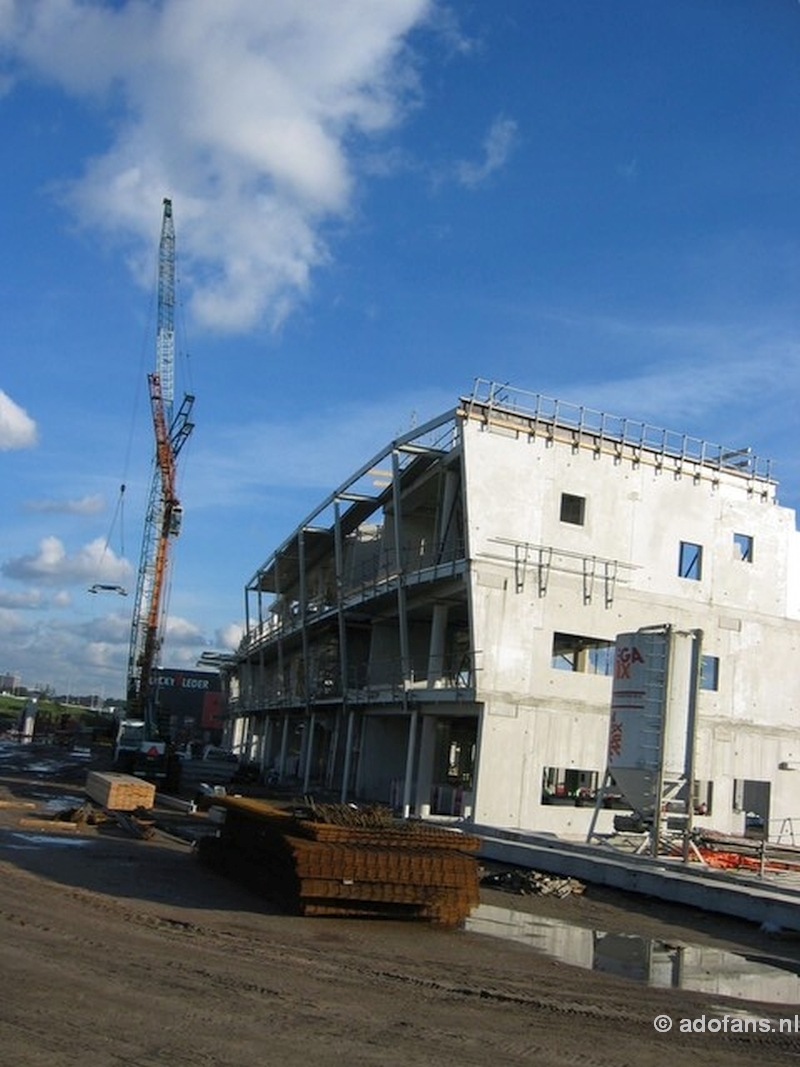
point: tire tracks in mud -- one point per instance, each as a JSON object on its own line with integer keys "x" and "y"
{"x": 241, "y": 954}
{"x": 261, "y": 945}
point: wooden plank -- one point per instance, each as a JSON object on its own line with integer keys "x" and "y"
{"x": 119, "y": 792}
{"x": 57, "y": 826}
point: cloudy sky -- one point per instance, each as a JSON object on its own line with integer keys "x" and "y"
{"x": 375, "y": 204}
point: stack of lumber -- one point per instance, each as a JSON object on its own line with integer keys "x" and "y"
{"x": 380, "y": 868}
{"x": 119, "y": 792}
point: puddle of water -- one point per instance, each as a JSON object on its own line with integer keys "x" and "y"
{"x": 63, "y": 803}
{"x": 654, "y": 963}
{"x": 44, "y": 767}
{"x": 23, "y": 842}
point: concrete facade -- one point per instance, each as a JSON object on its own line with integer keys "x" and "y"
{"x": 439, "y": 633}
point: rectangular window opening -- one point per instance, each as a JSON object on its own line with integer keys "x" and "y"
{"x": 690, "y": 561}
{"x": 581, "y": 654}
{"x": 568, "y": 785}
{"x": 573, "y": 509}
{"x": 743, "y": 547}
{"x": 702, "y": 796}
{"x": 751, "y": 797}
{"x": 709, "y": 673}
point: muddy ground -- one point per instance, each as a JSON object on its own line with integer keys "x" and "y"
{"x": 116, "y": 951}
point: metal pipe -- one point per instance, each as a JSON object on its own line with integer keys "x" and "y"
{"x": 309, "y": 748}
{"x": 691, "y": 731}
{"x": 348, "y": 755}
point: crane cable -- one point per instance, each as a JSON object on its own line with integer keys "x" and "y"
{"x": 106, "y": 587}
{"x": 119, "y": 512}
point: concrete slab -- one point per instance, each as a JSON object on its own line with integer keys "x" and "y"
{"x": 760, "y": 900}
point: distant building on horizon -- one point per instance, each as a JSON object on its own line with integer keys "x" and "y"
{"x": 10, "y": 683}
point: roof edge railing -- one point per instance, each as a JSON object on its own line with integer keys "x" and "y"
{"x": 616, "y": 430}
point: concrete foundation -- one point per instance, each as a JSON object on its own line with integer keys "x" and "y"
{"x": 758, "y": 900}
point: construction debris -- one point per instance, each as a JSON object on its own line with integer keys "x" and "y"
{"x": 359, "y": 862}
{"x": 370, "y": 817}
{"x": 84, "y": 815}
{"x": 134, "y": 825}
{"x": 70, "y": 820}
{"x": 533, "y": 883}
{"x": 187, "y": 807}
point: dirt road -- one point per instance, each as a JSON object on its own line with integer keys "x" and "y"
{"x": 121, "y": 952}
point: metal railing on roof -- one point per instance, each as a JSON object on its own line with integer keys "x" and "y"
{"x": 614, "y": 429}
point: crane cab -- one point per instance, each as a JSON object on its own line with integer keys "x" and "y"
{"x": 175, "y": 520}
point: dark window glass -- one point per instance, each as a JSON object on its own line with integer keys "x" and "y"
{"x": 573, "y": 509}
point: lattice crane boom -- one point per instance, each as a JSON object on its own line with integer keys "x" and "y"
{"x": 163, "y": 514}
{"x": 165, "y": 334}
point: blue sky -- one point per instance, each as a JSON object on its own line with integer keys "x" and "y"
{"x": 374, "y": 205}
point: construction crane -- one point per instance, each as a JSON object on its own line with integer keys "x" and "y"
{"x": 142, "y": 743}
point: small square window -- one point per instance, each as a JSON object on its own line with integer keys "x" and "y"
{"x": 690, "y": 561}
{"x": 709, "y": 672}
{"x": 743, "y": 547}
{"x": 573, "y": 509}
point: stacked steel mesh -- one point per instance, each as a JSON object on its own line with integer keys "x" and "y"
{"x": 356, "y": 864}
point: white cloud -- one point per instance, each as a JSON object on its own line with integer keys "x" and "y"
{"x": 14, "y": 631}
{"x": 85, "y": 505}
{"x": 243, "y": 113}
{"x": 102, "y": 654}
{"x": 444, "y": 20}
{"x": 26, "y": 599}
{"x": 52, "y": 565}
{"x": 17, "y": 428}
{"x": 183, "y": 642}
{"x": 690, "y": 369}
{"x": 727, "y": 383}
{"x": 179, "y": 631}
{"x": 497, "y": 147}
{"x": 686, "y": 393}
{"x": 228, "y": 637}
{"x": 114, "y": 629}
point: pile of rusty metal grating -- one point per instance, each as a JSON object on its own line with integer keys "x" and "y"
{"x": 325, "y": 861}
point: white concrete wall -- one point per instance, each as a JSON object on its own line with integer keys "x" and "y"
{"x": 535, "y": 716}
{"x": 793, "y": 579}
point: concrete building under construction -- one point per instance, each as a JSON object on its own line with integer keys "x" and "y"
{"x": 439, "y": 634}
